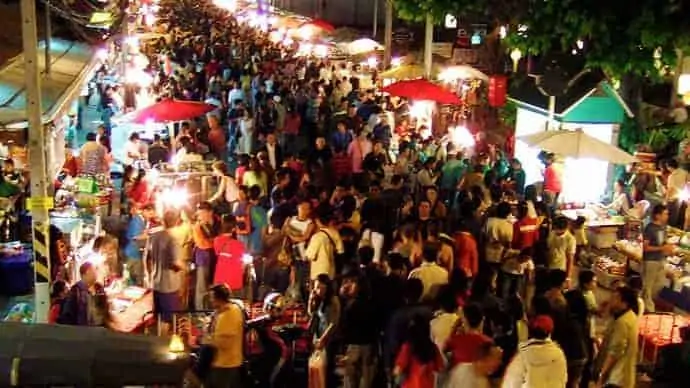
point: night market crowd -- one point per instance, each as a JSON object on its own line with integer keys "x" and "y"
{"x": 419, "y": 264}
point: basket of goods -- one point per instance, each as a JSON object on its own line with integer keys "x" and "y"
{"x": 609, "y": 271}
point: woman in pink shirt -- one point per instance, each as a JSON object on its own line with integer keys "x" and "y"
{"x": 357, "y": 150}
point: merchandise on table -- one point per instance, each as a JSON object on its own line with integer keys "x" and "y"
{"x": 657, "y": 330}
{"x": 602, "y": 227}
{"x": 130, "y": 308}
{"x": 609, "y": 270}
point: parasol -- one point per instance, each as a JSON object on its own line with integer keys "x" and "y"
{"x": 577, "y": 144}
{"x": 170, "y": 110}
{"x": 363, "y": 45}
{"x": 462, "y": 72}
{"x": 406, "y": 72}
{"x": 320, "y": 24}
{"x": 421, "y": 89}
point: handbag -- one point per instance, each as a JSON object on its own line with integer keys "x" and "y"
{"x": 317, "y": 369}
{"x": 285, "y": 254}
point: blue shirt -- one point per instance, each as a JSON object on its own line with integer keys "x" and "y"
{"x": 135, "y": 228}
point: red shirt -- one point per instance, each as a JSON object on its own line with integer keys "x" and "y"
{"x": 341, "y": 166}
{"x": 463, "y": 347}
{"x": 139, "y": 193}
{"x": 466, "y": 253}
{"x": 229, "y": 269}
{"x": 239, "y": 174}
{"x": 552, "y": 179}
{"x": 417, "y": 375}
{"x": 525, "y": 233}
{"x": 292, "y": 124}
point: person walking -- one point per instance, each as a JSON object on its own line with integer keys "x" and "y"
{"x": 654, "y": 250}
{"x": 616, "y": 364}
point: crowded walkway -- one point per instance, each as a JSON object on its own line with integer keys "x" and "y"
{"x": 415, "y": 262}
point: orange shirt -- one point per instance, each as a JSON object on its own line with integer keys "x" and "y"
{"x": 201, "y": 241}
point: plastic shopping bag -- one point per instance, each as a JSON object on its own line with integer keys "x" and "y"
{"x": 317, "y": 369}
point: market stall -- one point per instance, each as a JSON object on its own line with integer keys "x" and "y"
{"x": 603, "y": 228}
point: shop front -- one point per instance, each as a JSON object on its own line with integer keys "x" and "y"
{"x": 72, "y": 65}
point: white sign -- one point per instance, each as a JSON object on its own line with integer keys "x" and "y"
{"x": 451, "y": 21}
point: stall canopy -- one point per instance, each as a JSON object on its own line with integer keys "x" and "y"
{"x": 591, "y": 99}
{"x": 71, "y": 64}
{"x": 42, "y": 355}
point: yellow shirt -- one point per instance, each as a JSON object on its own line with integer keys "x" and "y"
{"x": 228, "y": 338}
{"x": 251, "y": 178}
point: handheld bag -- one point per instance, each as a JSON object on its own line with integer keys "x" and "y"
{"x": 317, "y": 369}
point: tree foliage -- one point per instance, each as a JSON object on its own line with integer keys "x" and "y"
{"x": 619, "y": 36}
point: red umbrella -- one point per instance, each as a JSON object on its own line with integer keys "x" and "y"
{"x": 170, "y": 110}
{"x": 421, "y": 89}
{"x": 321, "y": 24}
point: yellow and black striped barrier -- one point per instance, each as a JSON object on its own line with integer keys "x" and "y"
{"x": 40, "y": 242}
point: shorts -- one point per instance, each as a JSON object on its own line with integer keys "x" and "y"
{"x": 165, "y": 304}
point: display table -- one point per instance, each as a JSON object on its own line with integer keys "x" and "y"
{"x": 16, "y": 272}
{"x": 608, "y": 271}
{"x": 602, "y": 229}
{"x": 131, "y": 309}
{"x": 657, "y": 330}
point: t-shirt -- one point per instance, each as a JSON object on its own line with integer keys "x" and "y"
{"x": 229, "y": 268}
{"x": 465, "y": 375}
{"x": 135, "y": 227}
{"x": 559, "y": 249}
{"x": 417, "y": 375}
{"x": 655, "y": 236}
{"x": 525, "y": 233}
{"x": 499, "y": 236}
{"x": 464, "y": 347}
{"x": 229, "y": 331}
{"x": 166, "y": 278}
{"x": 321, "y": 251}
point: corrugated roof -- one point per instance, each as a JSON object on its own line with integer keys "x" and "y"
{"x": 70, "y": 61}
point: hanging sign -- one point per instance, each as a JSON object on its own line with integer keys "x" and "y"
{"x": 498, "y": 90}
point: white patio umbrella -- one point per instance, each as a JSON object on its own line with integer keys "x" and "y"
{"x": 364, "y": 45}
{"x": 577, "y": 144}
{"x": 462, "y": 72}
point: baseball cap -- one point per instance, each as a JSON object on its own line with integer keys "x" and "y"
{"x": 543, "y": 323}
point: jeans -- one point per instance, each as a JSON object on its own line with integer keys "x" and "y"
{"x": 201, "y": 285}
{"x": 302, "y": 278}
{"x": 653, "y": 277}
{"x": 359, "y": 366}
{"x": 510, "y": 284}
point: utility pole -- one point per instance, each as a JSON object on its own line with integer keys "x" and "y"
{"x": 428, "y": 44}
{"x": 375, "y": 30}
{"x": 49, "y": 33}
{"x": 388, "y": 35}
{"x": 39, "y": 202}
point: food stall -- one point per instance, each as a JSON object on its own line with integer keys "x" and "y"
{"x": 603, "y": 228}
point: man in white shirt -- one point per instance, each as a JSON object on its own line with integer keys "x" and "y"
{"x": 561, "y": 244}
{"x": 476, "y": 374}
{"x": 324, "y": 245}
{"x": 235, "y": 94}
{"x": 499, "y": 234}
{"x": 132, "y": 150}
{"x": 432, "y": 275}
{"x": 539, "y": 362}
